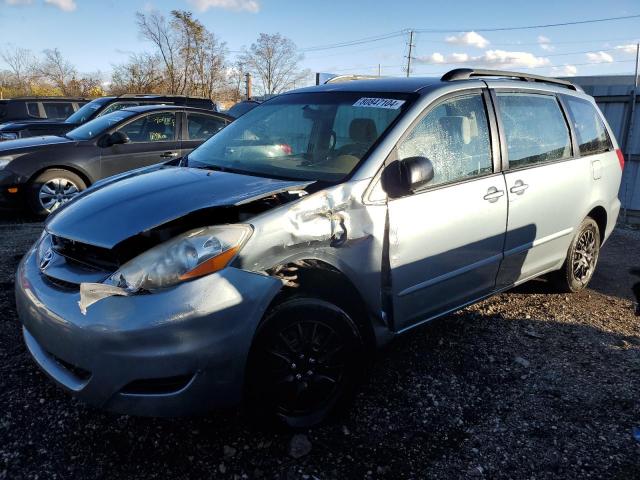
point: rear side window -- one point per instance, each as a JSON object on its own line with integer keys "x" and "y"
{"x": 201, "y": 127}
{"x": 33, "y": 110}
{"x": 588, "y": 125}
{"x": 534, "y": 127}
{"x": 455, "y": 137}
{"x": 57, "y": 110}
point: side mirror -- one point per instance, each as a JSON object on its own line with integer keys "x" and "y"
{"x": 117, "y": 138}
{"x": 404, "y": 177}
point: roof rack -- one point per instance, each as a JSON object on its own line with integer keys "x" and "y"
{"x": 467, "y": 73}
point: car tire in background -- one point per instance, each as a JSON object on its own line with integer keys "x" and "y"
{"x": 305, "y": 364}
{"x": 52, "y": 188}
{"x": 582, "y": 258}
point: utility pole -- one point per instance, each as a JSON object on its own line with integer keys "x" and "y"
{"x": 378, "y": 69}
{"x": 635, "y": 78}
{"x": 411, "y": 45}
{"x": 248, "y": 86}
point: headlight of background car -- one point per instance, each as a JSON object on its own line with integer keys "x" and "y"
{"x": 193, "y": 254}
{"x": 4, "y": 161}
{"x": 8, "y": 136}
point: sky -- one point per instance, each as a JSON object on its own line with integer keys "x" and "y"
{"x": 97, "y": 34}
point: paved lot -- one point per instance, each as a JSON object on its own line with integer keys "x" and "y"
{"x": 529, "y": 384}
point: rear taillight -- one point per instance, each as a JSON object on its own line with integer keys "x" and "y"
{"x": 620, "y": 158}
{"x": 286, "y": 149}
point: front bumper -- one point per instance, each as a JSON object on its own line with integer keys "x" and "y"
{"x": 10, "y": 179}
{"x": 198, "y": 331}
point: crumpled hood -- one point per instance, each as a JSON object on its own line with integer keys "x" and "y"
{"x": 116, "y": 211}
{"x": 21, "y": 144}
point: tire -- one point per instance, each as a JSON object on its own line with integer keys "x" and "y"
{"x": 305, "y": 364}
{"x": 582, "y": 258}
{"x": 56, "y": 185}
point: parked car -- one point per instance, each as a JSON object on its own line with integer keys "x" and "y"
{"x": 242, "y": 107}
{"x": 272, "y": 279}
{"x": 45, "y": 172}
{"x": 38, "y": 108}
{"x": 93, "y": 109}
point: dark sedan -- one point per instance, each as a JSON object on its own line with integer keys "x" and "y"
{"x": 46, "y": 172}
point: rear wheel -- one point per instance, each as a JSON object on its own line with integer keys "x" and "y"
{"x": 305, "y": 363}
{"x": 53, "y": 188}
{"x": 582, "y": 258}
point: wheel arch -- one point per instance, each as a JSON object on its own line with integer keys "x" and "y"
{"x": 599, "y": 215}
{"x": 86, "y": 178}
{"x": 320, "y": 279}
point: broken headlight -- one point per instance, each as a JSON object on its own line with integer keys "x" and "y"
{"x": 191, "y": 255}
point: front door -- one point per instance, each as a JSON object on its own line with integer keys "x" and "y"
{"x": 153, "y": 139}
{"x": 446, "y": 242}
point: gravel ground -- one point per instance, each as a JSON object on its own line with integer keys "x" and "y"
{"x": 528, "y": 384}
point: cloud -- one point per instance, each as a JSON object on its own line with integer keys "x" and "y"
{"x": 565, "y": 71}
{"x": 490, "y": 58}
{"x": 599, "y": 57}
{"x": 251, "y": 6}
{"x": 435, "y": 58}
{"x": 64, "y": 5}
{"x": 468, "y": 38}
{"x": 628, "y": 48}
{"x": 545, "y": 43}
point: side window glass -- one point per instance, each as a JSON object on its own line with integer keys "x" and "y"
{"x": 57, "y": 110}
{"x": 114, "y": 107}
{"x": 201, "y": 127}
{"x": 33, "y": 110}
{"x": 158, "y": 127}
{"x": 455, "y": 137}
{"x": 535, "y": 128}
{"x": 587, "y": 123}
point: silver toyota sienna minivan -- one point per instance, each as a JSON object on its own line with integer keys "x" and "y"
{"x": 266, "y": 266}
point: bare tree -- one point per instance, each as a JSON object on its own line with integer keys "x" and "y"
{"x": 21, "y": 64}
{"x": 57, "y": 70}
{"x": 155, "y": 28}
{"x": 140, "y": 74}
{"x": 274, "y": 61}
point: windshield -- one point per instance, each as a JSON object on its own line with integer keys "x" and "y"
{"x": 86, "y": 111}
{"x": 303, "y": 136}
{"x": 99, "y": 125}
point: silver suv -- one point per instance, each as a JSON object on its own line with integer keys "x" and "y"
{"x": 268, "y": 264}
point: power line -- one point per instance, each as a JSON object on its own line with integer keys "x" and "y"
{"x": 402, "y": 32}
{"x": 528, "y": 27}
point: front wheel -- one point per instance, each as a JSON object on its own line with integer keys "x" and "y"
{"x": 305, "y": 363}
{"x": 53, "y": 188}
{"x": 582, "y": 258}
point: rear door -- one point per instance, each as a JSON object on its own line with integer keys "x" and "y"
{"x": 153, "y": 139}
{"x": 198, "y": 128}
{"x": 445, "y": 242}
{"x": 547, "y": 184}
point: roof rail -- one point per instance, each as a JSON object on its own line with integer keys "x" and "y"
{"x": 467, "y": 73}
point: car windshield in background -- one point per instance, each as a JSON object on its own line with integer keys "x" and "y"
{"x": 99, "y": 125}
{"x": 306, "y": 136}
{"x": 86, "y": 111}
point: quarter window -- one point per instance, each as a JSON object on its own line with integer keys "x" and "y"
{"x": 455, "y": 137}
{"x": 589, "y": 128}
{"x": 158, "y": 127}
{"x": 33, "y": 110}
{"x": 534, "y": 127}
{"x": 201, "y": 127}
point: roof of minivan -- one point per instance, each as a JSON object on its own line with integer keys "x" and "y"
{"x": 383, "y": 84}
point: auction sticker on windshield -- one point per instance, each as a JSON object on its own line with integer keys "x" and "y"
{"x": 369, "y": 102}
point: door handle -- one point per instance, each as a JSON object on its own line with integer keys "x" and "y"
{"x": 493, "y": 194}
{"x": 169, "y": 155}
{"x": 519, "y": 187}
